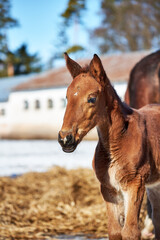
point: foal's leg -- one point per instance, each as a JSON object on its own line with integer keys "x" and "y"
{"x": 147, "y": 232}
{"x": 114, "y": 228}
{"x": 133, "y": 197}
{"x": 154, "y": 197}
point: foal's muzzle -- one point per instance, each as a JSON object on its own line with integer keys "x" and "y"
{"x": 67, "y": 142}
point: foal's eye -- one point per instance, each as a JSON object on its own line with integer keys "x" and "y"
{"x": 92, "y": 100}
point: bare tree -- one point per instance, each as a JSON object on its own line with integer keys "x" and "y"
{"x": 128, "y": 25}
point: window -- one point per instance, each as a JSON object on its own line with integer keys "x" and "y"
{"x": 37, "y": 104}
{"x": 2, "y": 112}
{"x": 63, "y": 102}
{"x": 26, "y": 104}
{"x": 50, "y": 103}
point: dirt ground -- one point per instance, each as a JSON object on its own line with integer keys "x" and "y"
{"x": 57, "y": 202}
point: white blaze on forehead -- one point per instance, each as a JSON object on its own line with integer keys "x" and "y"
{"x": 76, "y": 93}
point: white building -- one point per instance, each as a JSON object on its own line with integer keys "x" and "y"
{"x": 32, "y": 114}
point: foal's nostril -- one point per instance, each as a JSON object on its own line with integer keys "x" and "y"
{"x": 67, "y": 140}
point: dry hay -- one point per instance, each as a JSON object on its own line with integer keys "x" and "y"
{"x": 37, "y": 205}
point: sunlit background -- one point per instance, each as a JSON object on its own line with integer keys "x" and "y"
{"x": 33, "y": 77}
{"x": 51, "y": 202}
{"x": 41, "y": 26}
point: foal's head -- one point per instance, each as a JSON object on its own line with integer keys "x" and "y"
{"x": 86, "y": 102}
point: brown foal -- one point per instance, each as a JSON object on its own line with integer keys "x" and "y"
{"x": 127, "y": 155}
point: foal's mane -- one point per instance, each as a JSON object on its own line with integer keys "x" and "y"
{"x": 85, "y": 69}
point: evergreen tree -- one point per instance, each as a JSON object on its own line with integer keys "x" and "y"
{"x": 6, "y": 22}
{"x": 20, "y": 62}
{"x": 24, "y": 62}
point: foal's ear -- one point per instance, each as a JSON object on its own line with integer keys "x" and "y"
{"x": 97, "y": 70}
{"x": 73, "y": 67}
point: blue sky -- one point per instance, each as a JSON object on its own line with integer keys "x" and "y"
{"x": 39, "y": 21}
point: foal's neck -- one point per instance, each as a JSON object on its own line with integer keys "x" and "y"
{"x": 114, "y": 121}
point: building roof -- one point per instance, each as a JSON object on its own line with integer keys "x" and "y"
{"x": 117, "y": 67}
{"x": 8, "y": 83}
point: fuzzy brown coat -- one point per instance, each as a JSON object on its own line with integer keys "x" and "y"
{"x": 127, "y": 155}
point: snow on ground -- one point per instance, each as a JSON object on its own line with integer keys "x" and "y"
{"x": 20, "y": 156}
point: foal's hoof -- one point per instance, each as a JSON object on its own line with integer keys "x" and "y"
{"x": 147, "y": 235}
{"x": 147, "y": 231}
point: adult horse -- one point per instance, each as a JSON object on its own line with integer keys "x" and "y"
{"x": 144, "y": 88}
{"x": 144, "y": 82}
{"x": 127, "y": 156}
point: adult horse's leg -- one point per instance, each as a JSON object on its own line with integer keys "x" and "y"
{"x": 113, "y": 214}
{"x": 154, "y": 197}
{"x": 133, "y": 197}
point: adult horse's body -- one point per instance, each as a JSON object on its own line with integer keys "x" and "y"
{"x": 127, "y": 156}
{"x": 144, "y": 82}
{"x": 144, "y": 88}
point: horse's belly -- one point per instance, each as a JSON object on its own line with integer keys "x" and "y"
{"x": 153, "y": 193}
{"x": 153, "y": 184}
